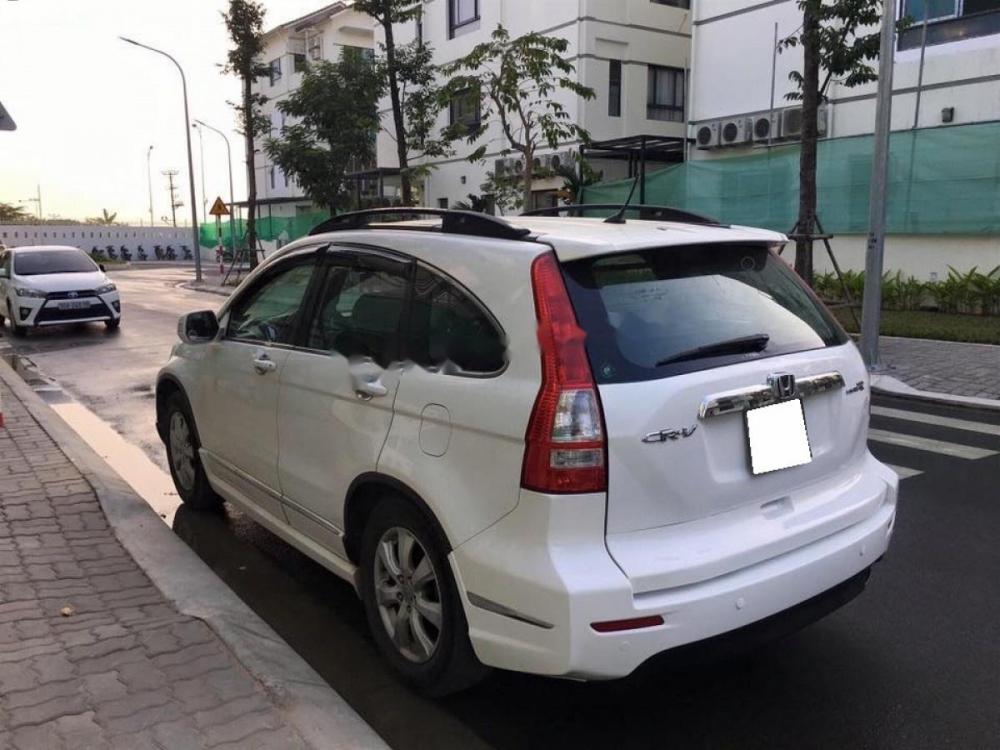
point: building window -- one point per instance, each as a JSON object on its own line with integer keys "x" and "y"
{"x": 615, "y": 88}
{"x": 665, "y": 94}
{"x": 314, "y": 47}
{"x": 464, "y": 110}
{"x": 686, "y": 4}
{"x": 948, "y": 20}
{"x": 461, "y": 13}
{"x": 299, "y": 63}
{"x": 442, "y": 203}
{"x": 274, "y": 70}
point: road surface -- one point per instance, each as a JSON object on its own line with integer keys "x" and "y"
{"x": 914, "y": 662}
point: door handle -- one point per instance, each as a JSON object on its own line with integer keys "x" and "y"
{"x": 366, "y": 391}
{"x": 263, "y": 364}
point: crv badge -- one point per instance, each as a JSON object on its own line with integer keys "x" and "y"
{"x": 664, "y": 435}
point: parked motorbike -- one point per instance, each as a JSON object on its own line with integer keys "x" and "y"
{"x": 158, "y": 251}
{"x": 96, "y": 255}
{"x": 187, "y": 252}
{"x": 125, "y": 253}
{"x": 141, "y": 252}
{"x": 171, "y": 253}
{"x": 110, "y": 250}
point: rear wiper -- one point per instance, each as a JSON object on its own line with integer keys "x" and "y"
{"x": 755, "y": 343}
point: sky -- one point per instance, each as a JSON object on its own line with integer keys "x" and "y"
{"x": 88, "y": 105}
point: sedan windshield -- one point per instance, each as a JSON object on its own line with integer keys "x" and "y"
{"x": 40, "y": 262}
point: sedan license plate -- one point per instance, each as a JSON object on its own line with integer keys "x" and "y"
{"x": 777, "y": 437}
{"x": 74, "y": 305}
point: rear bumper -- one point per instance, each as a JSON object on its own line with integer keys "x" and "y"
{"x": 542, "y": 575}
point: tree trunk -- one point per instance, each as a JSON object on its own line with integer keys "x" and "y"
{"x": 527, "y": 177}
{"x": 397, "y": 111}
{"x": 807, "y": 160}
{"x": 248, "y": 129}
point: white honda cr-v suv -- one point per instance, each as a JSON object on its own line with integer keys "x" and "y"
{"x": 552, "y": 444}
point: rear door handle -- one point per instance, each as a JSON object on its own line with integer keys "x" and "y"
{"x": 263, "y": 364}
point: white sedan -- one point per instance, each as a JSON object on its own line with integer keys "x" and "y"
{"x": 55, "y": 285}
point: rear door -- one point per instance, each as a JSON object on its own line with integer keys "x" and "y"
{"x": 682, "y": 340}
{"x": 337, "y": 389}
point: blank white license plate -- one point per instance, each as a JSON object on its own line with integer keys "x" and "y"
{"x": 777, "y": 437}
{"x": 74, "y": 305}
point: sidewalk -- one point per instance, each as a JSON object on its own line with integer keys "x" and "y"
{"x": 92, "y": 654}
{"x": 943, "y": 367}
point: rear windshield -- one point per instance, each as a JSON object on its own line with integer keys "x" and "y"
{"x": 666, "y": 311}
{"x": 37, "y": 262}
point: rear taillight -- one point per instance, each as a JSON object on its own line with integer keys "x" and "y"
{"x": 564, "y": 444}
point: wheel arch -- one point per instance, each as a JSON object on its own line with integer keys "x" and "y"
{"x": 361, "y": 500}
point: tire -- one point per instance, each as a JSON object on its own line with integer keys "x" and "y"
{"x": 182, "y": 456}
{"x": 437, "y": 660}
{"x": 113, "y": 325}
{"x": 19, "y": 331}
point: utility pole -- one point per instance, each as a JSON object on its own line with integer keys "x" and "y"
{"x": 175, "y": 203}
{"x": 871, "y": 311}
{"x": 149, "y": 178}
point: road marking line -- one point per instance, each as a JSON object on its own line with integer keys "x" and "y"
{"x": 904, "y": 472}
{"x": 927, "y": 444}
{"x": 934, "y": 419}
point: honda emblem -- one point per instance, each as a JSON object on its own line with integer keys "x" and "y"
{"x": 782, "y": 384}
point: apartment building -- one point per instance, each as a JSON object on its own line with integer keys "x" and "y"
{"x": 289, "y": 48}
{"x": 944, "y": 189}
{"x": 635, "y": 54}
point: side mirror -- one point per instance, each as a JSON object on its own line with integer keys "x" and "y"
{"x": 198, "y": 327}
{"x": 101, "y": 266}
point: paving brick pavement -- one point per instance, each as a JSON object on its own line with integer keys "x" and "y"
{"x": 943, "y": 366}
{"x": 123, "y": 668}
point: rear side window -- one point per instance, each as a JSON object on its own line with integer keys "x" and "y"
{"x": 672, "y": 310}
{"x": 449, "y": 329}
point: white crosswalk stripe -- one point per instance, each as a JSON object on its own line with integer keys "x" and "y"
{"x": 904, "y": 472}
{"x": 956, "y": 450}
{"x": 934, "y": 419}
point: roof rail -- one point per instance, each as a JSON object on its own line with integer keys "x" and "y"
{"x": 646, "y": 213}
{"x": 452, "y": 222}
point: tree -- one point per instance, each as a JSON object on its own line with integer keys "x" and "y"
{"x": 245, "y": 22}
{"x": 835, "y": 37}
{"x": 410, "y": 79}
{"x": 107, "y": 218}
{"x": 336, "y": 121}
{"x": 517, "y": 82}
{"x": 576, "y": 177}
{"x": 11, "y": 214}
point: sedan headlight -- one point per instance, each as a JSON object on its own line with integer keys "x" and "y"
{"x": 23, "y": 291}
{"x": 109, "y": 287}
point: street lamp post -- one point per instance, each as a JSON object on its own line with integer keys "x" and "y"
{"x": 201, "y": 156}
{"x": 232, "y": 206}
{"x": 149, "y": 177}
{"x": 187, "y": 135}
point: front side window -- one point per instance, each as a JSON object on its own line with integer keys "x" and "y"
{"x": 359, "y": 312}
{"x": 40, "y": 262}
{"x": 269, "y": 312}
{"x": 450, "y": 330}
{"x": 665, "y": 94}
{"x": 668, "y": 311}
{"x": 462, "y": 12}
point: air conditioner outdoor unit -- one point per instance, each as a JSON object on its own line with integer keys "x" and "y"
{"x": 734, "y": 132}
{"x": 791, "y": 122}
{"x": 707, "y": 135}
{"x": 767, "y": 127}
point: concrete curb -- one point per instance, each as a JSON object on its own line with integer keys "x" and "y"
{"x": 890, "y": 386}
{"x": 319, "y": 714}
{"x": 194, "y": 287}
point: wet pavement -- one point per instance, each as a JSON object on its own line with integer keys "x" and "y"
{"x": 913, "y": 662}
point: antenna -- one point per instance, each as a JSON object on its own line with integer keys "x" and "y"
{"x": 619, "y": 218}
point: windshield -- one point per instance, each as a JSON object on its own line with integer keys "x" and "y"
{"x": 38, "y": 262}
{"x": 666, "y": 311}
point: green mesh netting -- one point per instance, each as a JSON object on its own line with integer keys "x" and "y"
{"x": 941, "y": 181}
{"x": 284, "y": 229}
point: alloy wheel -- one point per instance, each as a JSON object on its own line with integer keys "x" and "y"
{"x": 408, "y": 594}
{"x": 182, "y": 450}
